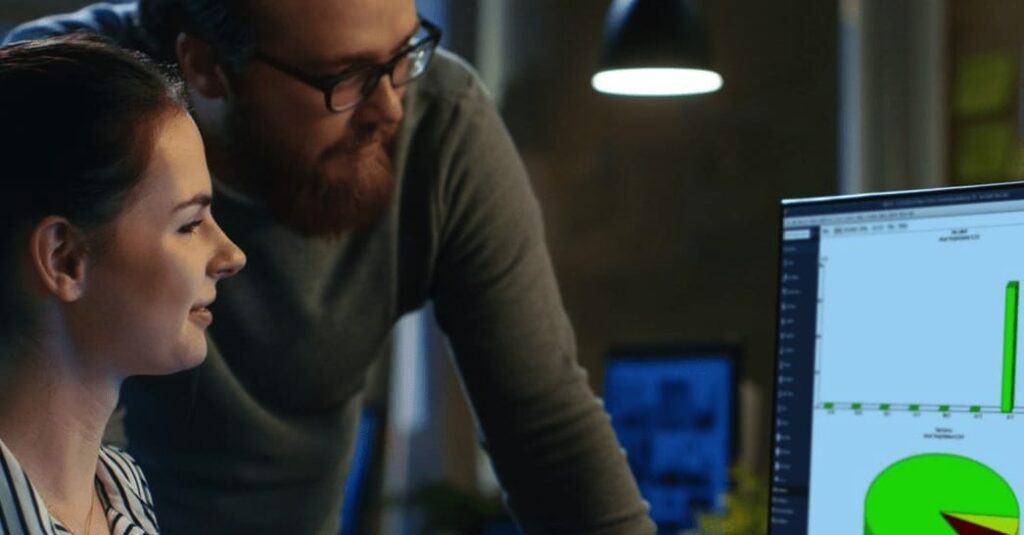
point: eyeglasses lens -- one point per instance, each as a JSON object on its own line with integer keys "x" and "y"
{"x": 412, "y": 65}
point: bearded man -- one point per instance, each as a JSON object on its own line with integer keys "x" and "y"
{"x": 364, "y": 172}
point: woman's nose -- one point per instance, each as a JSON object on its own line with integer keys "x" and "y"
{"x": 229, "y": 258}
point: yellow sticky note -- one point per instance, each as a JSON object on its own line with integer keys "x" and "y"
{"x": 985, "y": 83}
{"x": 986, "y": 151}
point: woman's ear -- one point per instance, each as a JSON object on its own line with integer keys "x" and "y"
{"x": 57, "y": 254}
{"x": 199, "y": 66}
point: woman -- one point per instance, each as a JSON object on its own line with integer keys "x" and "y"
{"x": 110, "y": 258}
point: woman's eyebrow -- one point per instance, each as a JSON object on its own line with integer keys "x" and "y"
{"x": 201, "y": 199}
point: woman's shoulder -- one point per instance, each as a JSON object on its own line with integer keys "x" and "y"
{"x": 123, "y": 467}
{"x": 125, "y": 487}
{"x": 22, "y": 510}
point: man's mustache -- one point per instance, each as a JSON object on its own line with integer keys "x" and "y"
{"x": 363, "y": 137}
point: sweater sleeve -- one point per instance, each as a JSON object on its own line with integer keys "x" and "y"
{"x": 496, "y": 298}
{"x": 117, "y": 22}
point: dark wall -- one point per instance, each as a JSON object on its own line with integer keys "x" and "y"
{"x": 661, "y": 214}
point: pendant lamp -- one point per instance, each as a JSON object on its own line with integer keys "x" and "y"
{"x": 655, "y": 48}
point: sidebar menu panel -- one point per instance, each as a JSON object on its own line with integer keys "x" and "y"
{"x": 794, "y": 381}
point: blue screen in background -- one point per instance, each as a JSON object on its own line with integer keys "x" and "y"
{"x": 354, "y": 506}
{"x": 674, "y": 418}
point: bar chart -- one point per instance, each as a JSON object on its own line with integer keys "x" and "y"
{"x": 1008, "y": 358}
{"x": 932, "y": 329}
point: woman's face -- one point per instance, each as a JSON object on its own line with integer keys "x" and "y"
{"x": 143, "y": 308}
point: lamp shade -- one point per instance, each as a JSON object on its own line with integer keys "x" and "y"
{"x": 655, "y": 48}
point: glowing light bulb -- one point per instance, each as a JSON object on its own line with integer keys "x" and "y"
{"x": 655, "y": 82}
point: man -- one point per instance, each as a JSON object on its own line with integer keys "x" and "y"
{"x": 363, "y": 172}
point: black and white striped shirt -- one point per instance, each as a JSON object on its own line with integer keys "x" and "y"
{"x": 122, "y": 489}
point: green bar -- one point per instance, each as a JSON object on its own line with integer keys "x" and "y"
{"x": 975, "y": 408}
{"x": 1010, "y": 345}
{"x": 884, "y": 406}
{"x": 855, "y": 406}
{"x": 830, "y": 405}
{"x": 943, "y": 408}
{"x": 915, "y": 408}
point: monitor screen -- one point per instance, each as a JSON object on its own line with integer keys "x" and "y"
{"x": 896, "y": 408}
{"x": 358, "y": 485}
{"x": 672, "y": 411}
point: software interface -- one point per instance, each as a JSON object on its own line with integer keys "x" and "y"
{"x": 899, "y": 404}
{"x": 673, "y": 416}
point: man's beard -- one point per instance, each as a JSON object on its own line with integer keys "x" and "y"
{"x": 347, "y": 186}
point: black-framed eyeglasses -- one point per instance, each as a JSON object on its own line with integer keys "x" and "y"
{"x": 346, "y": 89}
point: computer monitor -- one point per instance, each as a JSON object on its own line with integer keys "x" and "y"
{"x": 360, "y": 482}
{"x": 896, "y": 408}
{"x": 672, "y": 410}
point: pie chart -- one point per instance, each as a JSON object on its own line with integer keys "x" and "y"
{"x": 940, "y": 494}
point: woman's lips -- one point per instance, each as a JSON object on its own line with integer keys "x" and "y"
{"x": 201, "y": 315}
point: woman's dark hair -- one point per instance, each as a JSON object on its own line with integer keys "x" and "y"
{"x": 78, "y": 121}
{"x": 227, "y": 25}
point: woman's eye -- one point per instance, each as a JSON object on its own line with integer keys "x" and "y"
{"x": 191, "y": 227}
